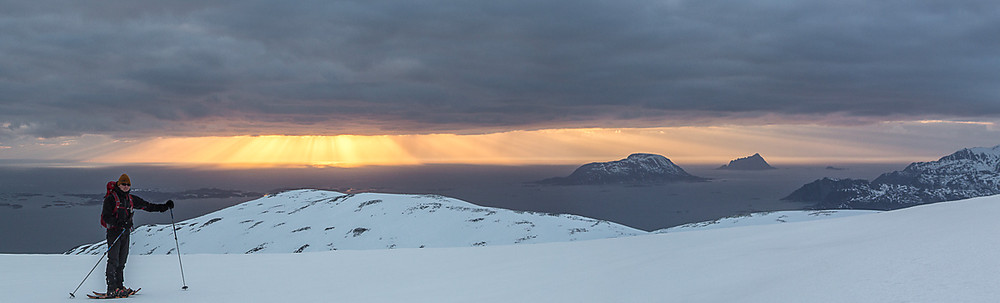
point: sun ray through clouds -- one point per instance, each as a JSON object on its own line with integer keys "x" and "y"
{"x": 797, "y": 144}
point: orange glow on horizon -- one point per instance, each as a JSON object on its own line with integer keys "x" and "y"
{"x": 263, "y": 151}
{"x": 684, "y": 145}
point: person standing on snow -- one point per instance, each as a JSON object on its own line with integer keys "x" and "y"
{"x": 117, "y": 214}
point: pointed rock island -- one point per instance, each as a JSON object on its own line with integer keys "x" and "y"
{"x": 635, "y": 169}
{"x": 755, "y": 162}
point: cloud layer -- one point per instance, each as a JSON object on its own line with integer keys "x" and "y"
{"x": 122, "y": 68}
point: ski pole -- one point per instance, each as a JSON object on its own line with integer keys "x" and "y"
{"x": 178, "y": 249}
{"x": 73, "y": 294}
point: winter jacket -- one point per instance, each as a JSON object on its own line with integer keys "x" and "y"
{"x": 118, "y": 218}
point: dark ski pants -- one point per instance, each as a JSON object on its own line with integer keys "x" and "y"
{"x": 117, "y": 256}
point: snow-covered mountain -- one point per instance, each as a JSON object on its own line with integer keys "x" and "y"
{"x": 318, "y": 220}
{"x": 636, "y": 168}
{"x": 754, "y": 162}
{"x": 970, "y": 172}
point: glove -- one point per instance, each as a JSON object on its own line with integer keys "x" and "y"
{"x": 170, "y": 204}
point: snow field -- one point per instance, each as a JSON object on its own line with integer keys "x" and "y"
{"x": 945, "y": 252}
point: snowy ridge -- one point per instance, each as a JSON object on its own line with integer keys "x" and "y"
{"x": 765, "y": 218}
{"x": 970, "y": 165}
{"x": 317, "y": 220}
{"x": 636, "y": 168}
{"x": 967, "y": 173}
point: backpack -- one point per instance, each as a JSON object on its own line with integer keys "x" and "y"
{"x": 118, "y": 204}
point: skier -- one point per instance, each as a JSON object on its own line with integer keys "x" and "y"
{"x": 117, "y": 214}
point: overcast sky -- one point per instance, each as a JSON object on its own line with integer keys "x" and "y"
{"x": 197, "y": 68}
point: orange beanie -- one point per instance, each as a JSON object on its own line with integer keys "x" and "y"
{"x": 124, "y": 179}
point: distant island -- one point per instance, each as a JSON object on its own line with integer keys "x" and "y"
{"x": 755, "y": 162}
{"x": 635, "y": 169}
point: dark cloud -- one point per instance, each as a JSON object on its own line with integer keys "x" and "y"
{"x": 226, "y": 67}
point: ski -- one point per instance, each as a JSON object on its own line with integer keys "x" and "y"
{"x": 105, "y": 294}
{"x": 101, "y": 295}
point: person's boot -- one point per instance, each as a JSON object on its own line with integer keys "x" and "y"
{"x": 118, "y": 293}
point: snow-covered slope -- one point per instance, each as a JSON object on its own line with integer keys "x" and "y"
{"x": 970, "y": 172}
{"x": 318, "y": 220}
{"x": 636, "y": 168}
{"x": 943, "y": 252}
{"x": 765, "y": 218}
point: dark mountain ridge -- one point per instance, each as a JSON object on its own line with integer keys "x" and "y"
{"x": 967, "y": 173}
